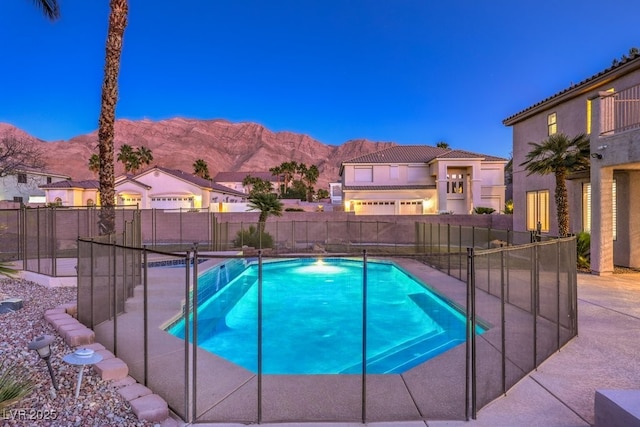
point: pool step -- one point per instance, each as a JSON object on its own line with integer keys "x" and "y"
{"x": 212, "y": 317}
{"x": 407, "y": 354}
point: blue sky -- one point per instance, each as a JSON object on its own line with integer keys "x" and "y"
{"x": 407, "y": 71}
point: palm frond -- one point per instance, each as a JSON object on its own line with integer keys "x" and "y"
{"x": 50, "y": 8}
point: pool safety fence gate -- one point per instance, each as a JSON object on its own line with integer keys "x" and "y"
{"x": 518, "y": 304}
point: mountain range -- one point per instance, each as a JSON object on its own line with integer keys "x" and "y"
{"x": 226, "y": 147}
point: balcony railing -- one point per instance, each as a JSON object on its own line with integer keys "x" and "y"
{"x": 620, "y": 111}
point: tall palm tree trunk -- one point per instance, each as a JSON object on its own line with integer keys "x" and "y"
{"x": 562, "y": 202}
{"x": 115, "y": 33}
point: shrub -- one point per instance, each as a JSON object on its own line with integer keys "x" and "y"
{"x": 484, "y": 211}
{"x": 583, "y": 247}
{"x": 251, "y": 237}
{"x": 508, "y": 207}
{"x": 294, "y": 210}
{"x": 15, "y": 384}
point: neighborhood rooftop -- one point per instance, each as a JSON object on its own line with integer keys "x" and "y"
{"x": 418, "y": 154}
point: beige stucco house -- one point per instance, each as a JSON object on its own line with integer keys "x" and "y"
{"x": 606, "y": 200}
{"x": 154, "y": 188}
{"x": 421, "y": 179}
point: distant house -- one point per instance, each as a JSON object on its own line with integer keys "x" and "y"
{"x": 421, "y": 179}
{"x": 606, "y": 200}
{"x": 234, "y": 180}
{"x": 23, "y": 185}
{"x": 154, "y": 188}
{"x": 335, "y": 193}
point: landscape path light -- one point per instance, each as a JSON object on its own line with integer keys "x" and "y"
{"x": 42, "y": 345}
{"x": 82, "y": 356}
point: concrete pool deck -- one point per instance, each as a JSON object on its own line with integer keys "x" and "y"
{"x": 604, "y": 355}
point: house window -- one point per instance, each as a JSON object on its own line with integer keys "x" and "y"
{"x": 394, "y": 172}
{"x": 363, "y": 174}
{"x": 455, "y": 183}
{"x": 18, "y": 199}
{"x": 552, "y": 123}
{"x": 90, "y": 202}
{"x": 22, "y": 178}
{"x": 57, "y": 201}
{"x": 538, "y": 210}
{"x": 49, "y": 180}
{"x": 586, "y": 208}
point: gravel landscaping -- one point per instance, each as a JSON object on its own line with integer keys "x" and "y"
{"x": 99, "y": 404}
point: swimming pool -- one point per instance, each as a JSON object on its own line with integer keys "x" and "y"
{"x": 312, "y": 317}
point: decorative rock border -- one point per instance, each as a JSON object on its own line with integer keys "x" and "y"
{"x": 144, "y": 404}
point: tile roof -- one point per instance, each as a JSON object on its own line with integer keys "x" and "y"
{"x": 633, "y": 61}
{"x": 401, "y": 154}
{"x": 463, "y": 154}
{"x": 418, "y": 154}
{"x": 226, "y": 190}
{"x": 387, "y": 187}
{"x": 196, "y": 180}
{"x": 86, "y": 184}
{"x": 240, "y": 176}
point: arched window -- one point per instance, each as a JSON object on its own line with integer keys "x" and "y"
{"x": 90, "y": 202}
{"x": 57, "y": 201}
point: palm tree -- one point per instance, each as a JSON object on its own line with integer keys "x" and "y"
{"x": 119, "y": 9}
{"x": 127, "y": 157}
{"x": 268, "y": 204}
{"x": 49, "y": 8}
{"x": 94, "y": 164}
{"x": 442, "y": 144}
{"x": 310, "y": 178}
{"x": 201, "y": 169}
{"x": 145, "y": 157}
{"x": 277, "y": 171}
{"x": 559, "y": 155}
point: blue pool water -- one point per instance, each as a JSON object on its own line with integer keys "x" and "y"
{"x": 312, "y": 317}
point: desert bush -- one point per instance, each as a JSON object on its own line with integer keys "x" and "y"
{"x": 583, "y": 248}
{"x": 483, "y": 211}
{"x": 15, "y": 383}
{"x": 251, "y": 237}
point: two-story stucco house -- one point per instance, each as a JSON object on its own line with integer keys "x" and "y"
{"x": 23, "y": 185}
{"x": 154, "y": 188}
{"x": 606, "y": 200}
{"x": 421, "y": 179}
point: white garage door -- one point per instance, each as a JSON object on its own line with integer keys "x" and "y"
{"x": 374, "y": 208}
{"x": 171, "y": 202}
{"x": 411, "y": 208}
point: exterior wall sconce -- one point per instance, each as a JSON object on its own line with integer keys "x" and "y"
{"x": 596, "y": 156}
{"x": 42, "y": 345}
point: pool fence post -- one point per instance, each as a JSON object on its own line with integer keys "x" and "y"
{"x": 468, "y": 333}
{"x": 259, "y": 336}
{"x": 54, "y": 254}
{"x": 364, "y": 336}
{"x": 115, "y": 294}
{"x": 145, "y": 317}
{"x": 558, "y": 294}
{"x": 91, "y": 283}
{"x": 474, "y": 376}
{"x": 503, "y": 323}
{"x": 194, "y": 294}
{"x": 536, "y": 277}
{"x": 187, "y": 316}
{"x": 449, "y": 249}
